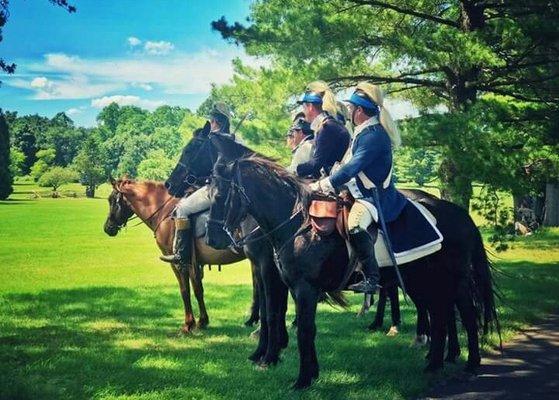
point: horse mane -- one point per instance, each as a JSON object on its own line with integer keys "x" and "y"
{"x": 269, "y": 169}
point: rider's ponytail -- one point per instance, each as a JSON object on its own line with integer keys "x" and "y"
{"x": 385, "y": 119}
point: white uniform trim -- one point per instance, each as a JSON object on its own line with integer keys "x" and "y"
{"x": 301, "y": 154}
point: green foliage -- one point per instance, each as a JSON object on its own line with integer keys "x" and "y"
{"x": 418, "y": 165}
{"x": 490, "y": 206}
{"x": 90, "y": 164}
{"x": 17, "y": 160}
{"x": 433, "y": 53}
{"x": 156, "y": 166}
{"x": 56, "y": 177}
{"x": 6, "y": 178}
{"x": 45, "y": 160}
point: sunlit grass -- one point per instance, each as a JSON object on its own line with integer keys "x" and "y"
{"x": 83, "y": 315}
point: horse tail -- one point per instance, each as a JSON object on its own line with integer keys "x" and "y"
{"x": 485, "y": 285}
{"x": 335, "y": 298}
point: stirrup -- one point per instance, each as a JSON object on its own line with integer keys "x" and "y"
{"x": 366, "y": 286}
{"x": 171, "y": 258}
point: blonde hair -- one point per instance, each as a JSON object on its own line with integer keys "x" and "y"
{"x": 329, "y": 103}
{"x": 385, "y": 119}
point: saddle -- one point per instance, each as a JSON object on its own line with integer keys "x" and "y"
{"x": 329, "y": 212}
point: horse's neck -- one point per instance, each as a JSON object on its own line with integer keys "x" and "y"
{"x": 270, "y": 215}
{"x": 148, "y": 203}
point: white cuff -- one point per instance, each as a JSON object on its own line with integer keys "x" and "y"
{"x": 326, "y": 186}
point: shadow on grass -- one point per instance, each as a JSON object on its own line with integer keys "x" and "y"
{"x": 107, "y": 341}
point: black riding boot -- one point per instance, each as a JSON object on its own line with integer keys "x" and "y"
{"x": 364, "y": 245}
{"x": 183, "y": 244}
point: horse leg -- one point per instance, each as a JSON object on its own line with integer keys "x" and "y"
{"x": 196, "y": 279}
{"x": 306, "y": 298}
{"x": 453, "y": 350}
{"x": 260, "y": 351}
{"x": 468, "y": 314}
{"x": 379, "y": 316}
{"x": 392, "y": 293}
{"x": 422, "y": 330}
{"x": 184, "y": 287}
{"x": 254, "y": 307}
{"x": 276, "y": 298}
{"x": 438, "y": 314}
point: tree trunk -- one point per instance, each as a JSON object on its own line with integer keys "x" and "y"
{"x": 455, "y": 187}
{"x": 551, "y": 216}
{"x": 90, "y": 191}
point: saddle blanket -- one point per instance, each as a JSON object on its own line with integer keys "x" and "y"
{"x": 413, "y": 235}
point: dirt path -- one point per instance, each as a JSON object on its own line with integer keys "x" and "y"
{"x": 528, "y": 369}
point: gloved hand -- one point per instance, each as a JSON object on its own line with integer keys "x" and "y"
{"x": 323, "y": 185}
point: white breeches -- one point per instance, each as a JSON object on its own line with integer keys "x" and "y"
{"x": 197, "y": 202}
{"x": 360, "y": 217}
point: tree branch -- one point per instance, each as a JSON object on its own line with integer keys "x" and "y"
{"x": 390, "y": 79}
{"x": 407, "y": 11}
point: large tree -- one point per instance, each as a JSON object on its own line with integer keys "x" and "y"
{"x": 5, "y": 175}
{"x": 434, "y": 52}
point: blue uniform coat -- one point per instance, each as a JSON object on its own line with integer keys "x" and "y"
{"x": 372, "y": 155}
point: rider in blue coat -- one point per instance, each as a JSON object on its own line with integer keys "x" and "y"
{"x": 367, "y": 166}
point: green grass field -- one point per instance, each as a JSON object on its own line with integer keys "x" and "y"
{"x": 83, "y": 315}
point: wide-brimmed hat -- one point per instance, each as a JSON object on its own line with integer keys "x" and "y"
{"x": 222, "y": 108}
{"x": 363, "y": 96}
{"x": 301, "y": 124}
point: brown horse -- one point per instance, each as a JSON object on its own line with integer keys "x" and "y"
{"x": 151, "y": 202}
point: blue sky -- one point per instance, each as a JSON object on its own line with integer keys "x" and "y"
{"x": 137, "y": 52}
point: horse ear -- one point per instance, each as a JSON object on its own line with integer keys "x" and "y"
{"x": 226, "y": 147}
{"x": 112, "y": 181}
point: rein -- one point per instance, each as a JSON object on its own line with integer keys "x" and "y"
{"x": 266, "y": 235}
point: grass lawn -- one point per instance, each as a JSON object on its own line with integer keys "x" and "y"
{"x": 83, "y": 315}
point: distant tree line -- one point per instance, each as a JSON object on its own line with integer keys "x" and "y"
{"x": 127, "y": 141}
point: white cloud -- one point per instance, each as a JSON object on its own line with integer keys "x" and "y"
{"x": 134, "y": 41}
{"x": 158, "y": 48}
{"x": 146, "y": 86}
{"x": 39, "y": 82}
{"x": 123, "y": 100}
{"x": 74, "y": 111}
{"x": 182, "y": 73}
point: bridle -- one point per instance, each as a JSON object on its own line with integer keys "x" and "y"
{"x": 192, "y": 179}
{"x": 120, "y": 198}
{"x": 236, "y": 185}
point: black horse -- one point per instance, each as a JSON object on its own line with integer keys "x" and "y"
{"x": 308, "y": 264}
{"x": 192, "y": 171}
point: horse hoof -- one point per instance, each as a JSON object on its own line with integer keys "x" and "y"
{"x": 269, "y": 361}
{"x": 374, "y": 327}
{"x": 393, "y": 331}
{"x": 472, "y": 367}
{"x": 202, "y": 324}
{"x": 451, "y": 358}
{"x": 251, "y": 322}
{"x": 186, "y": 329}
{"x": 256, "y": 357}
{"x": 255, "y": 334}
{"x": 420, "y": 341}
{"x": 301, "y": 384}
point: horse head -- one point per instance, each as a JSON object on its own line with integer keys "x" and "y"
{"x": 195, "y": 164}
{"x": 229, "y": 207}
{"x": 119, "y": 208}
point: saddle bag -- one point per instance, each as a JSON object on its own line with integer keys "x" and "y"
{"x": 323, "y": 213}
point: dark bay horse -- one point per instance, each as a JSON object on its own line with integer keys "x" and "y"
{"x": 309, "y": 264}
{"x": 151, "y": 202}
{"x": 192, "y": 171}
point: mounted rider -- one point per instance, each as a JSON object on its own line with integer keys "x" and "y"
{"x": 367, "y": 166}
{"x": 220, "y": 122}
{"x": 331, "y": 136}
{"x": 300, "y": 138}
